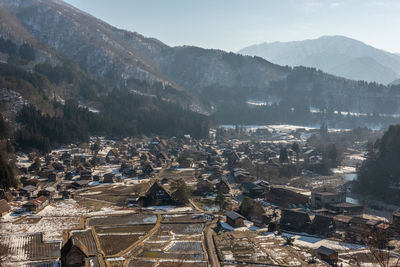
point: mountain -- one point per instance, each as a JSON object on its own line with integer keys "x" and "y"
{"x": 395, "y": 82}
{"x": 337, "y": 55}
{"x": 117, "y": 55}
{"x": 155, "y": 88}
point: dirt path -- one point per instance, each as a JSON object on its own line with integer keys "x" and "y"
{"x": 97, "y": 200}
{"x": 196, "y": 207}
{"x": 208, "y": 234}
{"x": 212, "y": 254}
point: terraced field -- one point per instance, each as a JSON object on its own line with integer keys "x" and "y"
{"x": 176, "y": 242}
{"x": 112, "y": 244}
{"x": 115, "y": 239}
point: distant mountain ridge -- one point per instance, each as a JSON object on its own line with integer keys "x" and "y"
{"x": 337, "y": 55}
{"x": 118, "y": 55}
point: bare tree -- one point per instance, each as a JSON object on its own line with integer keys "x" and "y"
{"x": 377, "y": 242}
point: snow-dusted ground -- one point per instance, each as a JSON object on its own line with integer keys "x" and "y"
{"x": 306, "y": 241}
{"x": 51, "y": 227}
{"x": 343, "y": 170}
{"x": 23, "y": 161}
{"x": 169, "y": 208}
{"x": 54, "y": 219}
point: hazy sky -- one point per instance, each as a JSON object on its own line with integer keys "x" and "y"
{"x": 234, "y": 24}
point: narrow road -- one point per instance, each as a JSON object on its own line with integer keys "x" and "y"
{"x": 196, "y": 207}
{"x": 208, "y": 234}
{"x": 212, "y": 253}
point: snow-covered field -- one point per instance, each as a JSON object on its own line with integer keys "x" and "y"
{"x": 343, "y": 170}
{"x": 171, "y": 209}
{"x": 54, "y": 219}
{"x": 306, "y": 241}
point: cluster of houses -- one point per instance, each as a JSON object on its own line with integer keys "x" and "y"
{"x": 233, "y": 168}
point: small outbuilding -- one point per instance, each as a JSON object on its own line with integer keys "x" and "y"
{"x": 4, "y": 207}
{"x": 328, "y": 255}
{"x": 234, "y": 219}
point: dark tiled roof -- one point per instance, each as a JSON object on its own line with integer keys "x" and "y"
{"x": 4, "y": 207}
{"x": 233, "y": 215}
{"x": 326, "y": 251}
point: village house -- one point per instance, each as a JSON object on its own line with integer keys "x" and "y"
{"x": 233, "y": 159}
{"x": 75, "y": 254}
{"x": 49, "y": 192}
{"x": 361, "y": 226}
{"x": 112, "y": 157}
{"x": 322, "y": 225}
{"x": 156, "y": 195}
{"x": 223, "y": 186}
{"x": 33, "y": 181}
{"x": 52, "y": 176}
{"x": 328, "y": 255}
{"x": 67, "y": 194}
{"x": 347, "y": 208}
{"x": 69, "y": 175}
{"x": 234, "y": 219}
{"x": 44, "y": 172}
{"x": 163, "y": 156}
{"x": 79, "y": 184}
{"x": 186, "y": 163}
{"x": 396, "y": 221}
{"x": 127, "y": 169}
{"x": 203, "y": 188}
{"x": 356, "y": 230}
{"x": 109, "y": 178}
{"x": 4, "y": 207}
{"x": 145, "y": 157}
{"x": 295, "y": 220}
{"x": 342, "y": 222}
{"x": 37, "y": 204}
{"x": 147, "y": 168}
{"x": 28, "y": 191}
{"x": 323, "y": 199}
{"x": 283, "y": 196}
{"x": 6, "y": 195}
{"x": 85, "y": 174}
{"x": 59, "y": 167}
{"x": 255, "y": 189}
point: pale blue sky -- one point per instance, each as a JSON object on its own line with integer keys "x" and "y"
{"x": 234, "y": 24}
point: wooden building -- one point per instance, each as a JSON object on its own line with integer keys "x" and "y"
{"x": 4, "y": 207}
{"x": 323, "y": 199}
{"x": 323, "y": 225}
{"x": 328, "y": 255}
{"x": 223, "y": 186}
{"x": 76, "y": 254}
{"x": 283, "y": 196}
{"x": 156, "y": 195}
{"x": 37, "y": 204}
{"x": 234, "y": 219}
{"x": 109, "y": 178}
{"x": 295, "y": 220}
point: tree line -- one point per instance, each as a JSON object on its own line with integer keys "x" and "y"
{"x": 379, "y": 175}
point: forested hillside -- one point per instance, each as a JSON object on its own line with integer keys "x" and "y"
{"x": 45, "y": 105}
{"x": 380, "y": 174}
{"x": 203, "y": 78}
